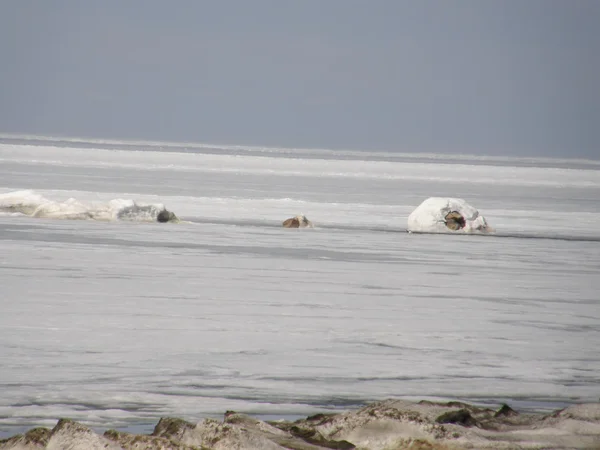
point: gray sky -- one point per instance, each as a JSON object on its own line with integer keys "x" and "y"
{"x": 516, "y": 77}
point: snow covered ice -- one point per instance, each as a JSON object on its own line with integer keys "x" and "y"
{"x": 116, "y": 323}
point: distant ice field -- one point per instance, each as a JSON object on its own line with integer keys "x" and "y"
{"x": 118, "y": 323}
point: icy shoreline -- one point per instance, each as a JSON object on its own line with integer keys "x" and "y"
{"x": 389, "y": 424}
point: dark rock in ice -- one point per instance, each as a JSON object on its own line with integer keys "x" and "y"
{"x": 166, "y": 216}
{"x": 461, "y": 417}
{"x": 505, "y": 411}
{"x": 320, "y": 417}
{"x": 303, "y": 433}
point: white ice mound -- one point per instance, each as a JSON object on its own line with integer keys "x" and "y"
{"x": 32, "y": 204}
{"x": 21, "y": 202}
{"x": 446, "y": 215}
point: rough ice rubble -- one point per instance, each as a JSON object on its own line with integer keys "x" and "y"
{"x": 384, "y": 425}
{"x": 34, "y": 205}
{"x": 446, "y": 215}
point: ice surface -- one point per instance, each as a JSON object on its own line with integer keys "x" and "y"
{"x": 432, "y": 216}
{"x": 118, "y": 323}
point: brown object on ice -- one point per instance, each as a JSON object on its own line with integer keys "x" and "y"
{"x": 297, "y": 222}
{"x": 455, "y": 221}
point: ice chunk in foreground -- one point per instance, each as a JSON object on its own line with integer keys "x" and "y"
{"x": 446, "y": 215}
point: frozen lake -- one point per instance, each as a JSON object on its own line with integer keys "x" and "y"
{"x": 118, "y": 323}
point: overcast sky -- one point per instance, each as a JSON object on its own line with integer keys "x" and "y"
{"x": 517, "y": 77}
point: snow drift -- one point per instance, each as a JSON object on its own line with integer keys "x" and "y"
{"x": 32, "y": 204}
{"x": 446, "y": 215}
